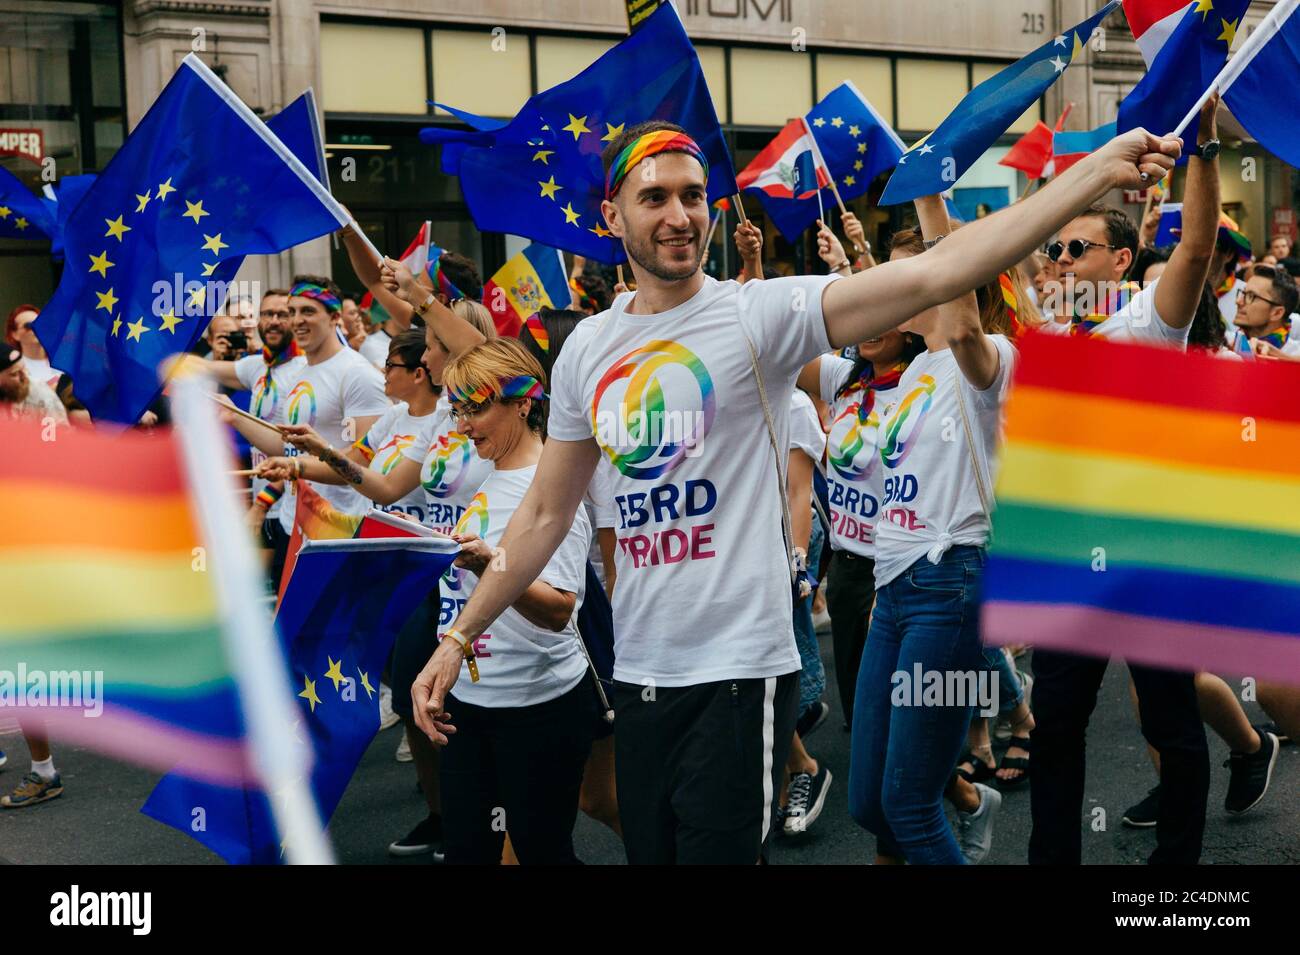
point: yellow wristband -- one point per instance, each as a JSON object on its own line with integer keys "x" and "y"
{"x": 467, "y": 648}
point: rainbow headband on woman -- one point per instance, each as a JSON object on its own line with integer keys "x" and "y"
{"x": 520, "y": 386}
{"x": 440, "y": 280}
{"x": 659, "y": 141}
{"x": 319, "y": 293}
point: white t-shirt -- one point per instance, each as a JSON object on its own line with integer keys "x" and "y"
{"x": 1138, "y": 321}
{"x": 385, "y": 444}
{"x": 40, "y": 369}
{"x": 932, "y": 500}
{"x": 806, "y": 432}
{"x": 598, "y": 503}
{"x": 329, "y": 396}
{"x": 375, "y": 348}
{"x": 855, "y": 479}
{"x": 703, "y": 588}
{"x": 520, "y": 663}
{"x": 41, "y": 402}
{"x": 451, "y": 472}
{"x": 270, "y": 393}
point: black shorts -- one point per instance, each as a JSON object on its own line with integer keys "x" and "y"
{"x": 699, "y": 768}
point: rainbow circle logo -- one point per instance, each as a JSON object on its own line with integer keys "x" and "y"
{"x": 904, "y": 422}
{"x": 651, "y": 407}
{"x": 851, "y": 444}
{"x": 266, "y": 395}
{"x": 475, "y": 519}
{"x": 446, "y": 464}
{"x": 394, "y": 447}
{"x": 302, "y": 403}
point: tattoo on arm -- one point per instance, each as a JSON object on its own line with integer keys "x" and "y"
{"x": 342, "y": 466}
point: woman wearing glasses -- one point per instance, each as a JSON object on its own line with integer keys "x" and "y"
{"x": 516, "y": 733}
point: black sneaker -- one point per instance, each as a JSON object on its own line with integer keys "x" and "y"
{"x": 1251, "y": 774}
{"x": 424, "y": 839}
{"x": 1144, "y": 814}
{"x": 807, "y": 795}
{"x": 1282, "y": 738}
{"x": 812, "y": 718}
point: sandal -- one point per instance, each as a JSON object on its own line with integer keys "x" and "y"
{"x": 981, "y": 772}
{"x": 1015, "y": 762}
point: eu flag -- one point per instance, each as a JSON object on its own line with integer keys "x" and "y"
{"x": 153, "y": 244}
{"x": 855, "y": 143}
{"x": 539, "y": 175}
{"x": 344, "y": 605}
{"x": 1183, "y": 69}
{"x": 1267, "y": 108}
{"x": 66, "y": 197}
{"x": 23, "y": 215}
{"x": 938, "y": 160}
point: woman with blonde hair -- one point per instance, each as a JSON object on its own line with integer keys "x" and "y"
{"x": 522, "y": 719}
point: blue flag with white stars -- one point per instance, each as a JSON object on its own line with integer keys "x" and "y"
{"x": 540, "y": 176}
{"x": 151, "y": 247}
{"x": 938, "y": 160}
{"x": 66, "y": 196}
{"x": 341, "y": 612}
{"x": 1183, "y": 69}
{"x": 856, "y": 144}
{"x": 23, "y": 215}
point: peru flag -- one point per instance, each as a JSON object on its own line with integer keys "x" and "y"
{"x": 787, "y": 163}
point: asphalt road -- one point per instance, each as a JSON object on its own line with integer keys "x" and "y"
{"x": 97, "y": 819}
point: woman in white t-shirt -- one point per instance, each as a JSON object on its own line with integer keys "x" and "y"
{"x": 517, "y": 732}
{"x": 446, "y": 485}
{"x": 936, "y": 443}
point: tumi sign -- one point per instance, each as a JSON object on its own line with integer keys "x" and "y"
{"x": 780, "y": 11}
{"x": 27, "y": 143}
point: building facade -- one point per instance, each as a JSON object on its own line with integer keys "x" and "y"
{"x": 82, "y": 73}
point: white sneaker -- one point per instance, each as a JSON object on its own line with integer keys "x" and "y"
{"x": 404, "y": 750}
{"x": 975, "y": 829}
{"x": 822, "y": 622}
{"x": 387, "y": 718}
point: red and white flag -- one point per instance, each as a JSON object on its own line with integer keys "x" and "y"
{"x": 773, "y": 170}
{"x": 1152, "y": 22}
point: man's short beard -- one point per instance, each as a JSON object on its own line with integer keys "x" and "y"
{"x": 644, "y": 255}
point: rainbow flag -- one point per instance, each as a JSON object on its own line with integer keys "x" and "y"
{"x": 533, "y": 279}
{"x": 1128, "y": 514}
{"x": 109, "y": 607}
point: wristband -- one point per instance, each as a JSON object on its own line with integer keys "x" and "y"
{"x": 931, "y": 243}
{"x": 422, "y": 308}
{"x": 467, "y": 648}
{"x": 265, "y": 499}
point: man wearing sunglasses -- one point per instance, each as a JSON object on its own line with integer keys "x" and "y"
{"x": 1264, "y": 307}
{"x": 1094, "y": 252}
{"x": 1093, "y": 255}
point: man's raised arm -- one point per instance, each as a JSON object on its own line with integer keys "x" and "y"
{"x": 874, "y": 301}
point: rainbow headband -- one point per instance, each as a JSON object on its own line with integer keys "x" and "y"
{"x": 659, "y": 141}
{"x": 520, "y": 386}
{"x": 538, "y": 331}
{"x": 441, "y": 282}
{"x": 319, "y": 293}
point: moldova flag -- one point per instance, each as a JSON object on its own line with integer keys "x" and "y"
{"x": 532, "y": 280}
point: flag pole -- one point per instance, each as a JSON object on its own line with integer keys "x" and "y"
{"x": 740, "y": 208}
{"x": 282, "y": 764}
{"x": 1235, "y": 66}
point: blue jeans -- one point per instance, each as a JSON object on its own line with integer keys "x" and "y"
{"x": 903, "y": 755}
{"x": 1010, "y": 690}
{"x": 812, "y": 676}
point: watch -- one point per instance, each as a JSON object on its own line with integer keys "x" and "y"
{"x": 1209, "y": 151}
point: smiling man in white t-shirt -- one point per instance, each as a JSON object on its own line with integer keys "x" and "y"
{"x": 663, "y": 385}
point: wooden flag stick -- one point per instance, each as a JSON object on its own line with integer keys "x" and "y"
{"x": 843, "y": 212}
{"x": 619, "y": 271}
{"x": 740, "y": 208}
{"x": 244, "y": 414}
{"x": 245, "y": 472}
{"x": 1029, "y": 187}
